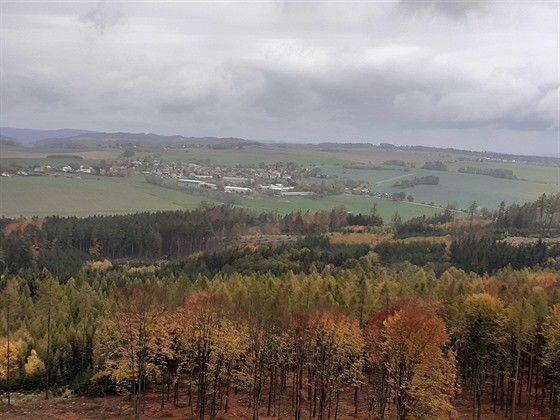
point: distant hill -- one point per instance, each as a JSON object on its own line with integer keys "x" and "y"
{"x": 82, "y": 139}
{"x": 28, "y": 137}
{"x": 491, "y": 155}
{"x": 142, "y": 139}
{"x": 8, "y": 141}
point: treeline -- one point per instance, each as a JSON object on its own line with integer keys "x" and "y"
{"x": 435, "y": 166}
{"x": 334, "y": 187}
{"x": 425, "y": 225}
{"x": 425, "y": 180}
{"x": 62, "y": 244}
{"x": 494, "y": 172}
{"x": 541, "y": 215}
{"x": 487, "y": 254}
{"x": 385, "y": 343}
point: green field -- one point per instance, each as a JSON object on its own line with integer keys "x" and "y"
{"x": 523, "y": 171}
{"x": 353, "y": 203}
{"x": 459, "y": 189}
{"x": 89, "y": 195}
{"x": 253, "y": 155}
{"x": 86, "y": 195}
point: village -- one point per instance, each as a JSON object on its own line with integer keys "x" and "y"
{"x": 279, "y": 179}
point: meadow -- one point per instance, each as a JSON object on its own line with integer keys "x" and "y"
{"x": 457, "y": 188}
{"x": 88, "y": 194}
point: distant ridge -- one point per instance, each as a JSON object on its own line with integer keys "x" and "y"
{"x": 29, "y": 136}
{"x": 9, "y": 141}
{"x": 491, "y": 155}
{"x": 552, "y": 158}
{"x": 81, "y": 139}
{"x": 141, "y": 139}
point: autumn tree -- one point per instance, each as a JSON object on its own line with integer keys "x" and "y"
{"x": 132, "y": 334}
{"x": 9, "y": 301}
{"x": 213, "y": 345}
{"x": 481, "y": 337}
{"x": 523, "y": 330}
{"x": 421, "y": 373}
{"x": 336, "y": 350}
{"x": 52, "y": 309}
{"x": 551, "y": 352}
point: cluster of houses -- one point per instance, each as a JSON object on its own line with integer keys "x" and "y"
{"x": 279, "y": 179}
{"x": 276, "y": 180}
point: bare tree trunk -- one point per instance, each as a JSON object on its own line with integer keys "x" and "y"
{"x": 48, "y": 351}
{"x": 355, "y": 401}
{"x": 514, "y": 396}
{"x": 8, "y": 364}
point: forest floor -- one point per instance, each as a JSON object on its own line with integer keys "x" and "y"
{"x": 118, "y": 407}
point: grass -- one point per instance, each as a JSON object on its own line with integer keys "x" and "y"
{"x": 87, "y": 195}
{"x": 523, "y": 171}
{"x": 353, "y": 203}
{"x": 252, "y": 155}
{"x": 456, "y": 188}
{"x": 30, "y": 196}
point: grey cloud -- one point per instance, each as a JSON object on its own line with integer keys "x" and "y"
{"x": 454, "y": 9}
{"x": 285, "y": 71}
{"x": 104, "y": 15}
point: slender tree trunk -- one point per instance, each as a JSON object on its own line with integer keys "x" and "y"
{"x": 494, "y": 388}
{"x": 536, "y": 381}
{"x": 514, "y": 396}
{"x": 48, "y": 351}
{"x": 84, "y": 334}
{"x": 226, "y": 405}
{"x": 176, "y": 391}
{"x": 163, "y": 391}
{"x": 355, "y": 401}
{"x": 269, "y": 404}
{"x": 8, "y": 364}
{"x": 554, "y": 412}
{"x": 543, "y": 389}
{"x": 529, "y": 381}
{"x": 299, "y": 388}
{"x": 336, "y": 406}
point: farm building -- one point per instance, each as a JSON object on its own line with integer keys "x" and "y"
{"x": 235, "y": 180}
{"x": 238, "y": 190}
{"x": 195, "y": 183}
{"x": 295, "y": 193}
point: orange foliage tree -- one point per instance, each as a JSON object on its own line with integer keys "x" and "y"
{"x": 410, "y": 351}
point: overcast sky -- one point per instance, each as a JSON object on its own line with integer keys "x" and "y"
{"x": 466, "y": 74}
